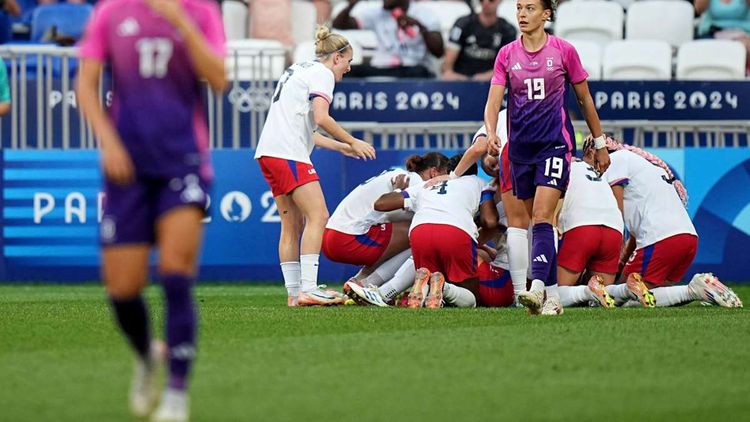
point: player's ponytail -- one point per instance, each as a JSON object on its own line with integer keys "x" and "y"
{"x": 614, "y": 145}
{"x": 327, "y": 43}
{"x": 419, "y": 163}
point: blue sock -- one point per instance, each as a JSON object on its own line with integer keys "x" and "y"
{"x": 544, "y": 256}
{"x": 132, "y": 317}
{"x": 181, "y": 327}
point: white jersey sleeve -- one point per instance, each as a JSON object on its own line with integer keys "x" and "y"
{"x": 288, "y": 130}
{"x": 588, "y": 201}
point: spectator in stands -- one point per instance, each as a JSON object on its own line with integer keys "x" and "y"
{"x": 271, "y": 19}
{"x": 324, "y": 10}
{"x": 473, "y": 44}
{"x": 725, "y": 19}
{"x": 4, "y": 90}
{"x": 406, "y": 33}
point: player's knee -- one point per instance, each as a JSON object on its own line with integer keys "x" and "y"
{"x": 319, "y": 218}
{"x": 123, "y": 289}
{"x": 542, "y": 216}
{"x": 177, "y": 262}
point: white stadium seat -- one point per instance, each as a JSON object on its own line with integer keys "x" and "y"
{"x": 711, "y": 60}
{"x": 507, "y": 10}
{"x": 637, "y": 59}
{"x": 234, "y": 15}
{"x": 447, "y": 12}
{"x": 255, "y": 59}
{"x": 590, "y": 53}
{"x": 304, "y": 21}
{"x": 305, "y": 51}
{"x": 670, "y": 21}
{"x": 364, "y": 41}
{"x": 596, "y": 20}
{"x": 358, "y": 9}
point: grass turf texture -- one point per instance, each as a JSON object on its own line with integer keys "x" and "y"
{"x": 61, "y": 359}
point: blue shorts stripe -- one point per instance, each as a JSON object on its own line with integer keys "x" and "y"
{"x": 293, "y": 168}
{"x": 365, "y": 240}
{"x": 498, "y": 282}
{"x": 648, "y": 251}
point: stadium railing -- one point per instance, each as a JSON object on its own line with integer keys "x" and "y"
{"x": 44, "y": 113}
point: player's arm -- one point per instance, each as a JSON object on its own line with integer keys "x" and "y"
{"x": 586, "y": 103}
{"x": 451, "y": 54}
{"x": 491, "y": 110}
{"x": 207, "y": 63}
{"x": 334, "y": 145}
{"x": 116, "y": 162}
{"x": 627, "y": 250}
{"x": 619, "y": 192}
{"x": 488, "y": 218}
{"x": 389, "y": 202}
{"x": 324, "y": 120}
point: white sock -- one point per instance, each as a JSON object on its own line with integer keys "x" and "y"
{"x": 291, "y": 271}
{"x": 458, "y": 296}
{"x": 573, "y": 295}
{"x": 309, "y": 271}
{"x": 552, "y": 291}
{"x": 557, "y": 238}
{"x": 518, "y": 257}
{"x": 619, "y": 293}
{"x": 388, "y": 269}
{"x": 402, "y": 280}
{"x": 537, "y": 284}
{"x": 673, "y": 295}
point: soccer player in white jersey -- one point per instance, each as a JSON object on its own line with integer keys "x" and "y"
{"x": 300, "y": 103}
{"x": 537, "y": 71}
{"x": 356, "y": 234}
{"x": 514, "y": 209}
{"x": 591, "y": 227}
{"x": 663, "y": 240}
{"x": 443, "y": 238}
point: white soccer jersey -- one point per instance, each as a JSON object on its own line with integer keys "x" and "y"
{"x": 452, "y": 202}
{"x": 501, "y": 131}
{"x": 653, "y": 210}
{"x": 288, "y": 131}
{"x": 355, "y": 214}
{"x": 589, "y": 201}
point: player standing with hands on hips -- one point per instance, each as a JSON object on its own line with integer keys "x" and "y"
{"x": 154, "y": 154}
{"x": 299, "y": 105}
{"x": 536, "y": 70}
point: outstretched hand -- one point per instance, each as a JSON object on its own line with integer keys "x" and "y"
{"x": 601, "y": 160}
{"x": 493, "y": 145}
{"x": 363, "y": 150}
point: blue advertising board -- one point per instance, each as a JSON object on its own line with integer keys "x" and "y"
{"x": 51, "y": 205}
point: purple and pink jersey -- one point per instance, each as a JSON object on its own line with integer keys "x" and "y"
{"x": 538, "y": 123}
{"x": 157, "y": 105}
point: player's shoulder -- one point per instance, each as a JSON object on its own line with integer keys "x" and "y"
{"x": 110, "y": 7}
{"x": 559, "y": 43}
{"x": 464, "y": 22}
{"x": 511, "y": 46}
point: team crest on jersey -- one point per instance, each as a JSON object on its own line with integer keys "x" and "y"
{"x": 128, "y": 28}
{"x": 549, "y": 63}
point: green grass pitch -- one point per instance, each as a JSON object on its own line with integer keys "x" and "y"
{"x": 62, "y": 360}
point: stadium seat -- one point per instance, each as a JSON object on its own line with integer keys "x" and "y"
{"x": 365, "y": 42}
{"x": 711, "y": 60}
{"x": 637, "y": 59}
{"x": 670, "y": 21}
{"x": 305, "y": 51}
{"x": 507, "y": 10}
{"x": 447, "y": 12}
{"x": 596, "y": 20}
{"x": 304, "y": 21}
{"x": 254, "y": 59}
{"x": 234, "y": 14}
{"x": 68, "y": 19}
{"x": 590, "y": 53}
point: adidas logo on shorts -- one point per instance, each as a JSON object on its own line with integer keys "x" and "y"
{"x": 540, "y": 258}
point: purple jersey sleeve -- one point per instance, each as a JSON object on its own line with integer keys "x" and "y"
{"x": 212, "y": 27}
{"x": 94, "y": 42}
{"x": 572, "y": 63}
{"x": 500, "y": 76}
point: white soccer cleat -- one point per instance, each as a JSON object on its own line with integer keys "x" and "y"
{"x": 144, "y": 394}
{"x": 533, "y": 300}
{"x": 320, "y": 297}
{"x": 552, "y": 306}
{"x": 369, "y": 295}
{"x": 708, "y": 288}
{"x": 173, "y": 407}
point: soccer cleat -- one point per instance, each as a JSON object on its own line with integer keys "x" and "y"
{"x": 353, "y": 280}
{"x": 420, "y": 289}
{"x": 708, "y": 288}
{"x": 368, "y": 295}
{"x": 532, "y": 300}
{"x": 435, "y": 296}
{"x": 143, "y": 392}
{"x": 638, "y": 289}
{"x": 320, "y": 297}
{"x": 599, "y": 293}
{"x": 173, "y": 407}
{"x": 552, "y": 306}
{"x": 291, "y": 301}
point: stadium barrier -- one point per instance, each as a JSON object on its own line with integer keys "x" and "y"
{"x": 390, "y": 113}
{"x": 51, "y": 203}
